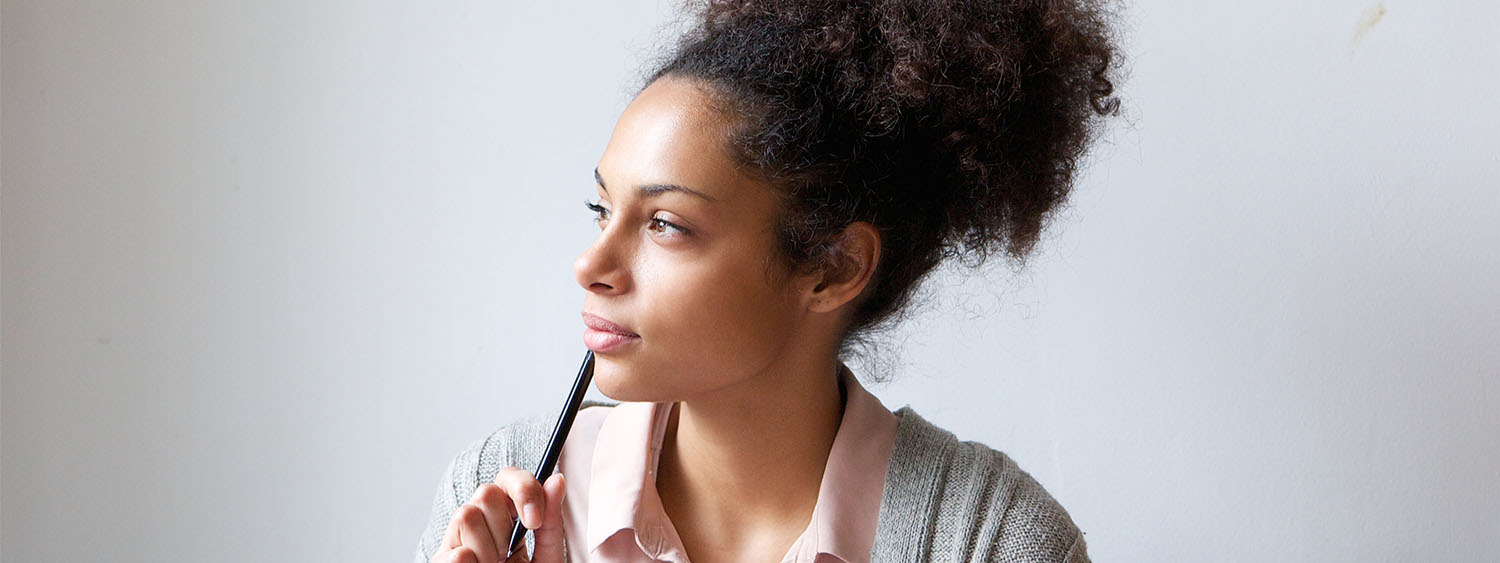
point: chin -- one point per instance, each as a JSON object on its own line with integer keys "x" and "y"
{"x": 623, "y": 384}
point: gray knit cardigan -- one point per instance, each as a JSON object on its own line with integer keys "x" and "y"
{"x": 944, "y": 500}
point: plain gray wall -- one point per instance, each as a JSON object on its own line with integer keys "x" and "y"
{"x": 268, "y": 265}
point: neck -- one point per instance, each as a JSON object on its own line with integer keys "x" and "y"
{"x": 750, "y": 457}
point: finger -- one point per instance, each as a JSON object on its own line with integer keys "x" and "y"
{"x": 460, "y": 554}
{"x": 549, "y": 537}
{"x": 525, "y": 492}
{"x": 450, "y": 538}
{"x": 474, "y": 533}
{"x": 499, "y": 513}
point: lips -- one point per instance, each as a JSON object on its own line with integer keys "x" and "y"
{"x": 602, "y": 324}
{"x": 604, "y": 336}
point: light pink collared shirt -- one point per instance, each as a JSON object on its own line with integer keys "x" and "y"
{"x": 613, "y": 514}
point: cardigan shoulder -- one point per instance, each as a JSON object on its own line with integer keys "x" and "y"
{"x": 952, "y": 500}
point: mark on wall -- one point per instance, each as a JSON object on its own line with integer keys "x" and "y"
{"x": 1367, "y": 22}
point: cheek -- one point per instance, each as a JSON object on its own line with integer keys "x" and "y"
{"x": 710, "y": 324}
{"x": 726, "y": 312}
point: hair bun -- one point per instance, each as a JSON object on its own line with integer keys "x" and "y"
{"x": 954, "y": 127}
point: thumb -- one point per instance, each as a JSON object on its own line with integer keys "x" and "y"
{"x": 549, "y": 537}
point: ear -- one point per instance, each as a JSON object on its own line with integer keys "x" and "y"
{"x": 851, "y": 265}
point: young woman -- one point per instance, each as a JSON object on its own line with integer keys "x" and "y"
{"x": 776, "y": 191}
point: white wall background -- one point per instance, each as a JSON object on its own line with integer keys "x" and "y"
{"x": 267, "y": 265}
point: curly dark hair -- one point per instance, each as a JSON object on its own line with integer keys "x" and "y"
{"x": 954, "y": 127}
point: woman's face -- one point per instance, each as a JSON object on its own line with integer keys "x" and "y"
{"x": 682, "y": 257}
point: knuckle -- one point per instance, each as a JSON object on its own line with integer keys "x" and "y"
{"x": 532, "y": 489}
{"x": 508, "y": 473}
{"x": 469, "y": 515}
{"x": 489, "y": 494}
{"x": 519, "y": 484}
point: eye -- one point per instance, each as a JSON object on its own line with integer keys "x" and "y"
{"x": 659, "y": 225}
{"x": 601, "y": 213}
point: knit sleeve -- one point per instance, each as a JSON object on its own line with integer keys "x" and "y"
{"x": 1024, "y": 523}
{"x": 991, "y": 511}
{"x": 519, "y": 444}
{"x": 1079, "y": 552}
{"x": 444, "y": 503}
{"x": 947, "y": 500}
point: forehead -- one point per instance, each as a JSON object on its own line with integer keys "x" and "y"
{"x": 669, "y": 134}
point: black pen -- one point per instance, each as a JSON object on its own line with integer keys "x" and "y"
{"x": 559, "y": 434}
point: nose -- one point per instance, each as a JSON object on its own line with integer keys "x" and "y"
{"x": 601, "y": 267}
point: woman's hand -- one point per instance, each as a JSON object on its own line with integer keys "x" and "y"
{"x": 480, "y": 530}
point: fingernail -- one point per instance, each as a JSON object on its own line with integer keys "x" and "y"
{"x": 533, "y": 516}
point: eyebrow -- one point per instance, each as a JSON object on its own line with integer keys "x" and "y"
{"x": 653, "y": 190}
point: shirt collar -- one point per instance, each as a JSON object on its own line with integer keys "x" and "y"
{"x": 622, "y": 488}
{"x": 843, "y": 522}
{"x": 623, "y": 495}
